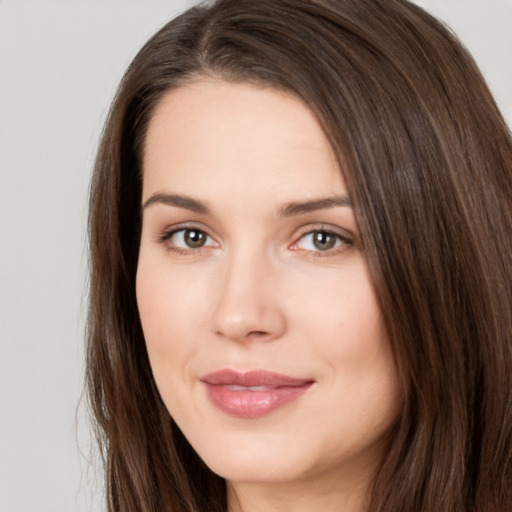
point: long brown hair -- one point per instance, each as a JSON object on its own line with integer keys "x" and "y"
{"x": 427, "y": 159}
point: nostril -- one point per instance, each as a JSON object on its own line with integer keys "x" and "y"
{"x": 258, "y": 334}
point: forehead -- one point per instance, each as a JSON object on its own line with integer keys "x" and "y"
{"x": 214, "y": 136}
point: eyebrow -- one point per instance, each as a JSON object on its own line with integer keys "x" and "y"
{"x": 300, "y": 208}
{"x": 177, "y": 200}
{"x": 291, "y": 209}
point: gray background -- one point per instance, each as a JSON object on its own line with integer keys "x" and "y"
{"x": 60, "y": 62}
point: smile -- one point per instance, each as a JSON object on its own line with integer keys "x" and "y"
{"x": 252, "y": 394}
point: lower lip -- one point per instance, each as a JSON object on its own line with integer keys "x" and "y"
{"x": 253, "y": 404}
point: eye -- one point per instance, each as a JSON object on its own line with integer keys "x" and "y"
{"x": 189, "y": 238}
{"x": 321, "y": 240}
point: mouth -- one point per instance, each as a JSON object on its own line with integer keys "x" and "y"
{"x": 252, "y": 394}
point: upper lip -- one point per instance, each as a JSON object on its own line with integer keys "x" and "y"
{"x": 229, "y": 377}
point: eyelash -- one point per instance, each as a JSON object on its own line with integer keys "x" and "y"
{"x": 166, "y": 237}
{"x": 343, "y": 241}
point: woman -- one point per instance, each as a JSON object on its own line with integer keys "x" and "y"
{"x": 301, "y": 284}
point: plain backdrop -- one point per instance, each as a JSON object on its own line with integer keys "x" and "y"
{"x": 60, "y": 62}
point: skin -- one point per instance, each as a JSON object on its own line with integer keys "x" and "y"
{"x": 259, "y": 294}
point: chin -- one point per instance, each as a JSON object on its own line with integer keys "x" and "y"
{"x": 259, "y": 459}
{"x": 262, "y": 470}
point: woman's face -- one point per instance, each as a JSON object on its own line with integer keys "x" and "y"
{"x": 261, "y": 323}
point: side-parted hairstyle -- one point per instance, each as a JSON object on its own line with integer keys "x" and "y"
{"x": 427, "y": 159}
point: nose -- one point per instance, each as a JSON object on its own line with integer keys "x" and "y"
{"x": 248, "y": 307}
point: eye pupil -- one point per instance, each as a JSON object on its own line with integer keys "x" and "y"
{"x": 323, "y": 240}
{"x": 195, "y": 238}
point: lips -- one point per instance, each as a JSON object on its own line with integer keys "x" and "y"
{"x": 252, "y": 394}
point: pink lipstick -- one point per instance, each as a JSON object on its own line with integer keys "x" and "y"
{"x": 252, "y": 394}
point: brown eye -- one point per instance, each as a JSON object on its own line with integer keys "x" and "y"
{"x": 194, "y": 238}
{"x": 188, "y": 238}
{"x": 323, "y": 240}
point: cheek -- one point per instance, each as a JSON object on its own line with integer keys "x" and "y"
{"x": 342, "y": 323}
{"x": 340, "y": 312}
{"x": 169, "y": 309}
{"x": 363, "y": 354}
{"x": 168, "y": 314}
{"x": 153, "y": 303}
